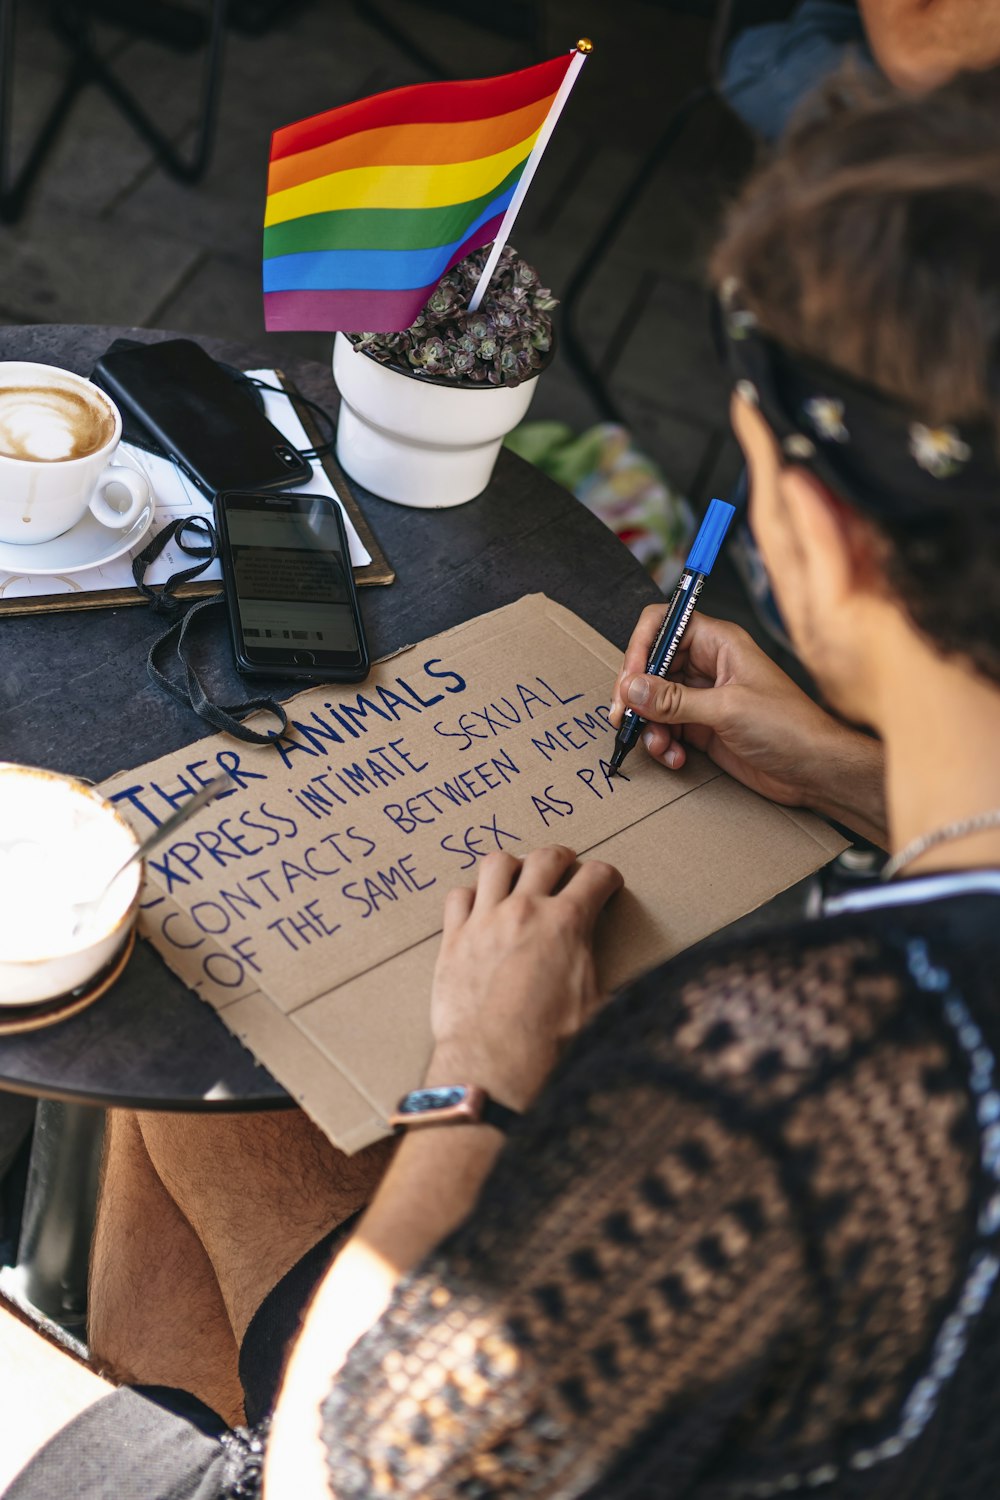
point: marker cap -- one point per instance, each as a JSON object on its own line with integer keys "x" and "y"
{"x": 710, "y": 537}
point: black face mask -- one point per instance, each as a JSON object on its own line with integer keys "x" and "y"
{"x": 867, "y": 448}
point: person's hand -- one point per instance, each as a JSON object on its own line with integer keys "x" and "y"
{"x": 727, "y": 698}
{"x": 733, "y": 702}
{"x": 515, "y": 975}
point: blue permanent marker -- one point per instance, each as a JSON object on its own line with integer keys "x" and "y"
{"x": 704, "y": 551}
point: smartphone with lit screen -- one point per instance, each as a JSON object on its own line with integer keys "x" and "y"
{"x": 293, "y": 607}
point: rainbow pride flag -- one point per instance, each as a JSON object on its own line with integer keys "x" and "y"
{"x": 370, "y": 204}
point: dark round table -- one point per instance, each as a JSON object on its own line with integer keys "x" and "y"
{"x": 74, "y": 697}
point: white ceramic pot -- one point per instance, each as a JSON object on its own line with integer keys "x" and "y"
{"x": 416, "y": 442}
{"x": 60, "y": 843}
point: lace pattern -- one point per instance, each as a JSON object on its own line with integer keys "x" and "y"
{"x": 746, "y": 1246}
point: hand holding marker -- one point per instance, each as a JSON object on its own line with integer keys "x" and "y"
{"x": 704, "y": 551}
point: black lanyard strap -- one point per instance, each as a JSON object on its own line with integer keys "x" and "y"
{"x": 186, "y": 686}
{"x": 204, "y": 546}
{"x": 189, "y": 689}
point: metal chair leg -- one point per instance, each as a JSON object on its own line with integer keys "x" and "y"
{"x": 187, "y": 169}
{"x": 14, "y": 189}
{"x": 59, "y": 1209}
{"x": 87, "y": 66}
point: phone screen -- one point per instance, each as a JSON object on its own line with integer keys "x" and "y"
{"x": 294, "y": 594}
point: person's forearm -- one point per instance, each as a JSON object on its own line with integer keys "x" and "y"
{"x": 921, "y": 43}
{"x": 848, "y": 785}
{"x": 429, "y": 1189}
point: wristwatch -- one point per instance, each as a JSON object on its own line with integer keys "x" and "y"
{"x": 452, "y": 1104}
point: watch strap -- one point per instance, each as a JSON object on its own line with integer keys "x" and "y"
{"x": 452, "y": 1104}
{"x": 499, "y": 1115}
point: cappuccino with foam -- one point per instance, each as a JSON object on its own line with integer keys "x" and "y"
{"x": 53, "y": 422}
{"x": 58, "y": 435}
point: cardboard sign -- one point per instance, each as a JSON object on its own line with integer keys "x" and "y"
{"x": 305, "y": 905}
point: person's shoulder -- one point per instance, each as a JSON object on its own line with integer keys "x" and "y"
{"x": 762, "y": 1017}
{"x": 773, "y": 1010}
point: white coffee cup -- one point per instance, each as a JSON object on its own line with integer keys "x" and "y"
{"x": 60, "y": 845}
{"x": 58, "y": 434}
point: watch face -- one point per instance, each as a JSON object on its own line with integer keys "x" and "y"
{"x": 426, "y": 1099}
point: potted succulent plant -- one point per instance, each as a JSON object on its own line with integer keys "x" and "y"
{"x": 423, "y": 412}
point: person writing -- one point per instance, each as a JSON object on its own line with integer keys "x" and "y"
{"x": 744, "y": 1239}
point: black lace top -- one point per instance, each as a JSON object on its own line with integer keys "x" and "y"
{"x": 747, "y": 1245}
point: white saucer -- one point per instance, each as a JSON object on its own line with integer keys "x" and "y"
{"x": 88, "y": 544}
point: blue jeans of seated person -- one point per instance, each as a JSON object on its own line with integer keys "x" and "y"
{"x": 769, "y": 69}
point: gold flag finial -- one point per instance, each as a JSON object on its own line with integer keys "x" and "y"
{"x": 585, "y": 45}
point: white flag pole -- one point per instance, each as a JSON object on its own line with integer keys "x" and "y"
{"x": 583, "y": 50}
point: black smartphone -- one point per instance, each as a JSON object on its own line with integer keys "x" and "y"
{"x": 293, "y": 607}
{"x": 200, "y": 417}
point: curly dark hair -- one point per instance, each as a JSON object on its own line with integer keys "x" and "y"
{"x": 871, "y": 242}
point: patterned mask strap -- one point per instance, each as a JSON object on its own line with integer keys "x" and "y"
{"x": 866, "y": 447}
